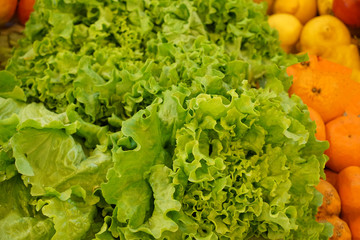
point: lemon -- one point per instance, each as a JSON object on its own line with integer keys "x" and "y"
{"x": 304, "y": 10}
{"x": 347, "y": 55}
{"x": 289, "y": 28}
{"x": 322, "y": 33}
{"x": 325, "y": 6}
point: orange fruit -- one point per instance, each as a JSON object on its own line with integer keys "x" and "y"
{"x": 354, "y": 107}
{"x": 7, "y": 10}
{"x": 343, "y": 134}
{"x": 349, "y": 191}
{"x": 354, "y": 104}
{"x": 322, "y": 85}
{"x": 320, "y": 125}
{"x": 354, "y": 224}
{"x": 331, "y": 176}
{"x": 331, "y": 200}
{"x": 348, "y": 185}
{"x": 341, "y": 228}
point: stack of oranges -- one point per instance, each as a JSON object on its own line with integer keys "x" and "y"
{"x": 333, "y": 100}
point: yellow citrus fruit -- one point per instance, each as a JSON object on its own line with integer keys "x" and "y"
{"x": 322, "y": 33}
{"x": 347, "y": 55}
{"x": 325, "y": 6}
{"x": 304, "y": 10}
{"x": 289, "y": 28}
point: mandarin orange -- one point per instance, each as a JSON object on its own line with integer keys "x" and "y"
{"x": 320, "y": 126}
{"x": 322, "y": 85}
{"x": 331, "y": 201}
{"x": 348, "y": 185}
{"x": 331, "y": 176}
{"x": 343, "y": 134}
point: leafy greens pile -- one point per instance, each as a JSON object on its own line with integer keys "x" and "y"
{"x": 145, "y": 120}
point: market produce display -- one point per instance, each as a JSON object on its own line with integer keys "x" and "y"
{"x": 329, "y": 84}
{"x": 160, "y": 120}
{"x": 333, "y": 102}
{"x": 325, "y": 28}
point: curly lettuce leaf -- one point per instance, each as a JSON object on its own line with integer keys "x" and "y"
{"x": 72, "y": 220}
{"x": 10, "y": 86}
{"x": 127, "y": 185}
{"x": 18, "y": 218}
{"x": 238, "y": 175}
{"x": 196, "y": 154}
{"x": 235, "y": 170}
{"x": 52, "y": 161}
{"x": 59, "y": 151}
{"x": 8, "y": 118}
{"x": 112, "y": 59}
{"x": 7, "y": 166}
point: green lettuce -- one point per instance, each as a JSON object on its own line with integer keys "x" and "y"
{"x": 123, "y": 119}
{"x": 236, "y": 171}
{"x": 111, "y": 59}
{"x": 19, "y": 219}
{"x": 71, "y": 220}
{"x": 239, "y": 180}
{"x": 47, "y": 150}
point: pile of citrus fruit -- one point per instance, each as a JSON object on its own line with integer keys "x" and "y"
{"x": 333, "y": 101}
{"x": 329, "y": 84}
{"x": 326, "y": 28}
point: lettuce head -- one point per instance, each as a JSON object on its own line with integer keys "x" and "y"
{"x": 148, "y": 119}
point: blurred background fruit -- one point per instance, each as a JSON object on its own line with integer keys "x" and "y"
{"x": 324, "y": 6}
{"x": 348, "y": 11}
{"x": 7, "y": 10}
{"x": 25, "y": 8}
